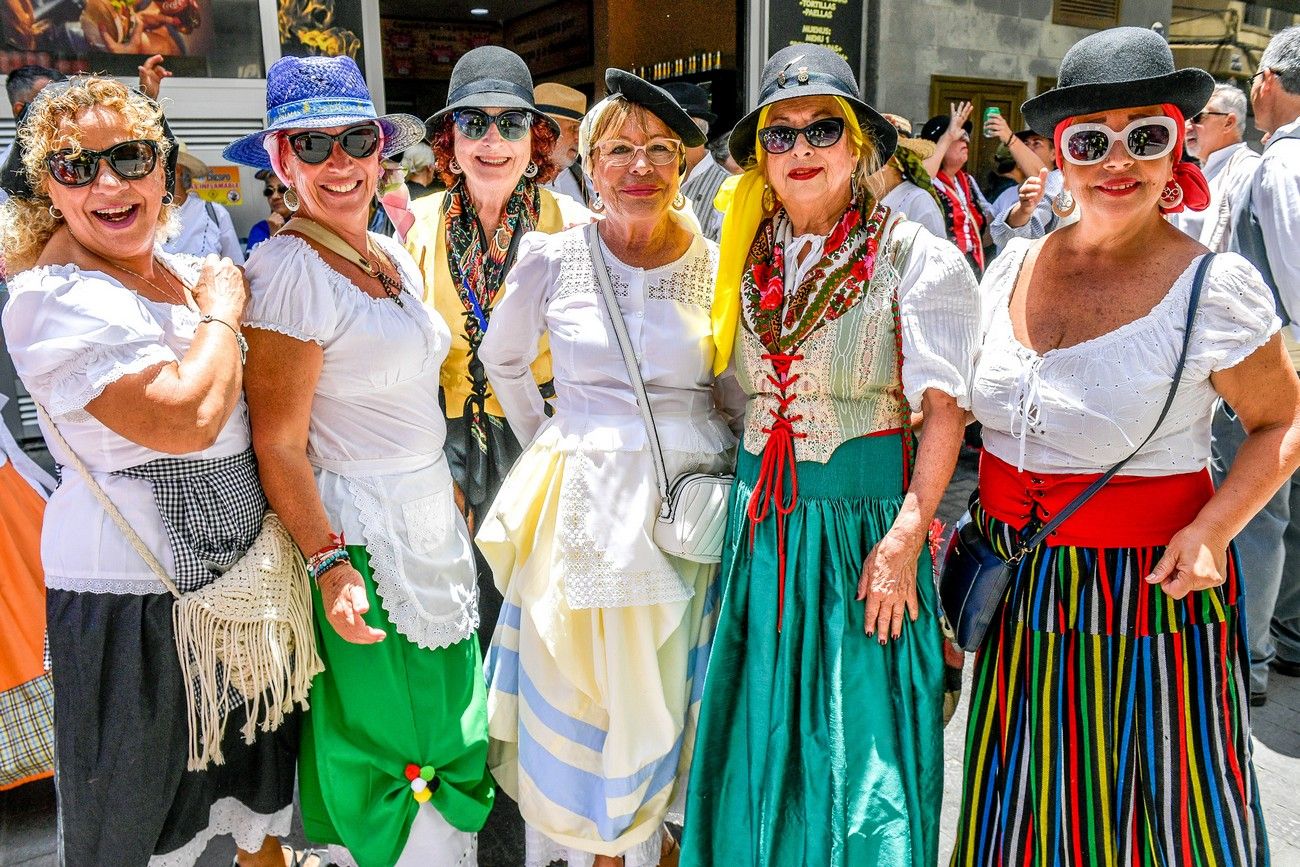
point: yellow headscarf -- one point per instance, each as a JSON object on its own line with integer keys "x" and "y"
{"x": 740, "y": 199}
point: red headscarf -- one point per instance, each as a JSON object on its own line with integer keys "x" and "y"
{"x": 1196, "y": 191}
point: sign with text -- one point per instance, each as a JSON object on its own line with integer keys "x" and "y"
{"x": 835, "y": 24}
{"x": 219, "y": 185}
{"x": 554, "y": 38}
{"x": 429, "y": 49}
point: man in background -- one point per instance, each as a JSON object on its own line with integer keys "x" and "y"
{"x": 703, "y": 174}
{"x": 565, "y": 106}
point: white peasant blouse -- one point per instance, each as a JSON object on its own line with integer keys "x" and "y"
{"x": 1082, "y": 408}
{"x": 376, "y": 432}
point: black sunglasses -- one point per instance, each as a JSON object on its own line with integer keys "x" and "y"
{"x": 314, "y": 147}
{"x": 273, "y": 191}
{"x": 474, "y": 124}
{"x": 820, "y": 134}
{"x": 1196, "y": 118}
{"x": 129, "y": 160}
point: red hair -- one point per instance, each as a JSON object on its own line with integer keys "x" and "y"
{"x": 443, "y": 142}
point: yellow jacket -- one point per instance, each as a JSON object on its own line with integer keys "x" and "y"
{"x": 427, "y": 244}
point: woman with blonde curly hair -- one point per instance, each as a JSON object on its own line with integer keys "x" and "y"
{"x": 135, "y": 355}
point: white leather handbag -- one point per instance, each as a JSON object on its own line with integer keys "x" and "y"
{"x": 692, "y": 518}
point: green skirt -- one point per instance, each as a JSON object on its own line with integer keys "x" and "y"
{"x": 376, "y": 709}
{"x": 817, "y": 746}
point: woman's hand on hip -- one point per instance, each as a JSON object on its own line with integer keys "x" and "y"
{"x": 221, "y": 289}
{"x": 343, "y": 593}
{"x": 888, "y": 584}
{"x": 1194, "y": 560}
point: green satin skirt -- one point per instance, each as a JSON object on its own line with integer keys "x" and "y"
{"x": 376, "y": 709}
{"x": 817, "y": 746}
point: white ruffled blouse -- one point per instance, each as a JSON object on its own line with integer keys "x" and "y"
{"x": 73, "y": 333}
{"x": 1082, "y": 408}
{"x": 376, "y": 433}
{"x": 605, "y": 552}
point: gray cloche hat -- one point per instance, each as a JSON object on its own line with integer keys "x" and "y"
{"x": 491, "y": 77}
{"x": 1123, "y": 67}
{"x": 810, "y": 70}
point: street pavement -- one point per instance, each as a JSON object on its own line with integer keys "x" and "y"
{"x": 27, "y": 815}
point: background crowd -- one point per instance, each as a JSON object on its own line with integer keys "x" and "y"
{"x": 592, "y": 455}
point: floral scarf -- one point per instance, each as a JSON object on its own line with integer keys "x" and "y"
{"x": 478, "y": 266}
{"x": 832, "y": 287}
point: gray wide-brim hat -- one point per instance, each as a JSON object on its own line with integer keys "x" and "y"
{"x": 658, "y": 102}
{"x": 491, "y": 77}
{"x": 810, "y": 70}
{"x": 315, "y": 93}
{"x": 1123, "y": 67}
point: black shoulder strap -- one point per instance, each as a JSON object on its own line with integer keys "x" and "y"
{"x": 1073, "y": 506}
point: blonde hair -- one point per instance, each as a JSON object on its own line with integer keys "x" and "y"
{"x": 26, "y": 224}
{"x": 604, "y": 121}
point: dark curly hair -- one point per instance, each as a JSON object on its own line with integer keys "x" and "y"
{"x": 443, "y": 136}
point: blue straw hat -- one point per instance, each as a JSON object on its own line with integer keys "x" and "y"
{"x": 319, "y": 92}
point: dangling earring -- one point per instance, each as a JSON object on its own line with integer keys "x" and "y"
{"x": 679, "y": 201}
{"x": 1063, "y": 203}
{"x": 531, "y": 171}
{"x": 769, "y": 198}
{"x": 853, "y": 187}
{"x": 291, "y": 200}
{"x": 453, "y": 166}
{"x": 597, "y": 203}
{"x": 56, "y": 213}
{"x": 168, "y": 198}
{"x": 1171, "y": 196}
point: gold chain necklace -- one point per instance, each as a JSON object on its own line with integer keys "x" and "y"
{"x": 168, "y": 293}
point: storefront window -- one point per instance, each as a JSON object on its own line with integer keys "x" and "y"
{"x": 199, "y": 38}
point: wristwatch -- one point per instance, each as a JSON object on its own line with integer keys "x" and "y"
{"x": 239, "y": 338}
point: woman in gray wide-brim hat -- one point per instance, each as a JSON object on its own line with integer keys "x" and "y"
{"x": 821, "y": 728}
{"x": 491, "y": 148}
{"x": 1108, "y": 717}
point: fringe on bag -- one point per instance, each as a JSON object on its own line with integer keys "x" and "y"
{"x": 251, "y": 629}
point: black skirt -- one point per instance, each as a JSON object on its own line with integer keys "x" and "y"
{"x": 121, "y": 743}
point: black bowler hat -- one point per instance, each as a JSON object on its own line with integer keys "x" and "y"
{"x": 1123, "y": 67}
{"x": 693, "y": 98}
{"x": 491, "y": 77}
{"x": 658, "y": 102}
{"x": 936, "y": 126}
{"x": 810, "y": 70}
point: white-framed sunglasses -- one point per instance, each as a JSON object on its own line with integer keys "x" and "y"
{"x": 1147, "y": 138}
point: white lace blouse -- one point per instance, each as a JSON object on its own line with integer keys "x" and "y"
{"x": 73, "y": 333}
{"x": 1082, "y": 408}
{"x": 376, "y": 432}
{"x": 667, "y": 310}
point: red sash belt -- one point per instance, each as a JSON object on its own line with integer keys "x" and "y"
{"x": 1129, "y": 512}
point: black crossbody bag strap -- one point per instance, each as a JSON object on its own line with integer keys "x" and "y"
{"x": 1074, "y": 505}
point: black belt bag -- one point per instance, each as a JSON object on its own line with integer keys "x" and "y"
{"x": 975, "y": 577}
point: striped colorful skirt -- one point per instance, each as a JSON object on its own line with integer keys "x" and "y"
{"x": 818, "y": 746}
{"x": 1108, "y": 721}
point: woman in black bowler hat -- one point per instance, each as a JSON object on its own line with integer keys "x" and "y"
{"x": 1108, "y": 717}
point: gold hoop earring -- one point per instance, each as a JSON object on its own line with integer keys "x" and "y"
{"x": 679, "y": 201}
{"x": 291, "y": 200}
{"x": 56, "y": 213}
{"x": 769, "y": 198}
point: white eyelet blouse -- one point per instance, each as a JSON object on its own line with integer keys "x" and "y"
{"x": 1082, "y": 408}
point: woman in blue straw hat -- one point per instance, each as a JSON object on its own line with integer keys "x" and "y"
{"x": 820, "y": 739}
{"x": 342, "y": 384}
